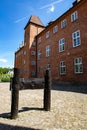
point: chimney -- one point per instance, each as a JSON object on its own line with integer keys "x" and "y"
{"x": 75, "y": 2}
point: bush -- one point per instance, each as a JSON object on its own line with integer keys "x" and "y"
{"x": 5, "y": 79}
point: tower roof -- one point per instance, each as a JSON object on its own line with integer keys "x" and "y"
{"x": 35, "y": 20}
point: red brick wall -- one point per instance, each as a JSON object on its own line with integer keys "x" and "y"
{"x": 54, "y": 59}
{"x": 70, "y": 52}
{"x": 19, "y": 59}
{"x": 26, "y": 68}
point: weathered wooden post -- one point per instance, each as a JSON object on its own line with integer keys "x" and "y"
{"x": 15, "y": 94}
{"x": 47, "y": 91}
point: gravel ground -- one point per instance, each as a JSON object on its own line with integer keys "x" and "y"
{"x": 68, "y": 110}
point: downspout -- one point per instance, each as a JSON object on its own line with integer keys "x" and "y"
{"x": 36, "y": 53}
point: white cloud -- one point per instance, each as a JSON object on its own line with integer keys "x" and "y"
{"x": 51, "y": 4}
{"x": 3, "y": 60}
{"x": 21, "y": 19}
{"x": 52, "y": 8}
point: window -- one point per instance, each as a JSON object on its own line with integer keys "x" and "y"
{"x": 34, "y": 44}
{"x": 33, "y": 73}
{"x": 62, "y": 67}
{"x": 47, "y": 51}
{"x": 61, "y": 45}
{"x": 25, "y": 71}
{"x": 33, "y": 53}
{"x": 24, "y": 61}
{"x": 47, "y": 34}
{"x": 24, "y": 52}
{"x": 39, "y": 40}
{"x": 48, "y": 67}
{"x": 74, "y": 16}
{"x": 55, "y": 29}
{"x": 39, "y": 55}
{"x": 63, "y": 23}
{"x": 38, "y": 70}
{"x": 78, "y": 67}
{"x": 33, "y": 62}
{"x": 76, "y": 38}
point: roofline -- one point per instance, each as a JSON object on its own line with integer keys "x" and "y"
{"x": 34, "y": 24}
{"x": 82, "y": 1}
{"x": 20, "y": 48}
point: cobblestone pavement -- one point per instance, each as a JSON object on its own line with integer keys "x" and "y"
{"x": 68, "y": 110}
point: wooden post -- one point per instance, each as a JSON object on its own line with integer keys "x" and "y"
{"x": 15, "y": 94}
{"x": 47, "y": 90}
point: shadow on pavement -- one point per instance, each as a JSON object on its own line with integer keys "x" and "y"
{"x": 24, "y": 109}
{"x": 11, "y": 127}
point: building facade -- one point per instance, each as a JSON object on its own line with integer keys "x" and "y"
{"x": 60, "y": 46}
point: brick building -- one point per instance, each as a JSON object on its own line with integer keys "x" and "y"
{"x": 60, "y": 46}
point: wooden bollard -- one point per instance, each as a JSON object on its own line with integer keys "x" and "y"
{"x": 47, "y": 91}
{"x": 15, "y": 94}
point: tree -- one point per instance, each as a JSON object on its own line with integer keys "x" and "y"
{"x": 5, "y": 70}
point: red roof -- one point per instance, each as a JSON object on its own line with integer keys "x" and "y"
{"x": 35, "y": 20}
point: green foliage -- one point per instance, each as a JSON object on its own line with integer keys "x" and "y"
{"x": 4, "y": 76}
{"x": 5, "y": 70}
{"x": 5, "y": 79}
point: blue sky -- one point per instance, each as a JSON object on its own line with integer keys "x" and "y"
{"x": 14, "y": 14}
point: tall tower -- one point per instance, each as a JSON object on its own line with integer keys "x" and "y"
{"x": 32, "y": 28}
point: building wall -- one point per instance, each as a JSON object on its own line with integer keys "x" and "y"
{"x": 24, "y": 61}
{"x": 19, "y": 59}
{"x": 36, "y": 34}
{"x": 70, "y": 52}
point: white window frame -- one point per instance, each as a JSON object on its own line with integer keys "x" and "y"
{"x": 62, "y": 67}
{"x": 48, "y": 67}
{"x": 63, "y": 23}
{"x": 55, "y": 29}
{"x": 61, "y": 45}
{"x": 74, "y": 16}
{"x": 39, "y": 55}
{"x": 78, "y": 65}
{"x": 76, "y": 38}
{"x": 48, "y": 34}
{"x": 48, "y": 51}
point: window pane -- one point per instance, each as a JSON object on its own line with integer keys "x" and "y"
{"x": 81, "y": 68}
{"x": 74, "y": 35}
{"x": 76, "y": 38}
{"x": 80, "y": 60}
{"x": 62, "y": 67}
{"x": 78, "y": 41}
{"x": 61, "y": 45}
{"x": 78, "y": 33}
{"x": 78, "y": 65}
